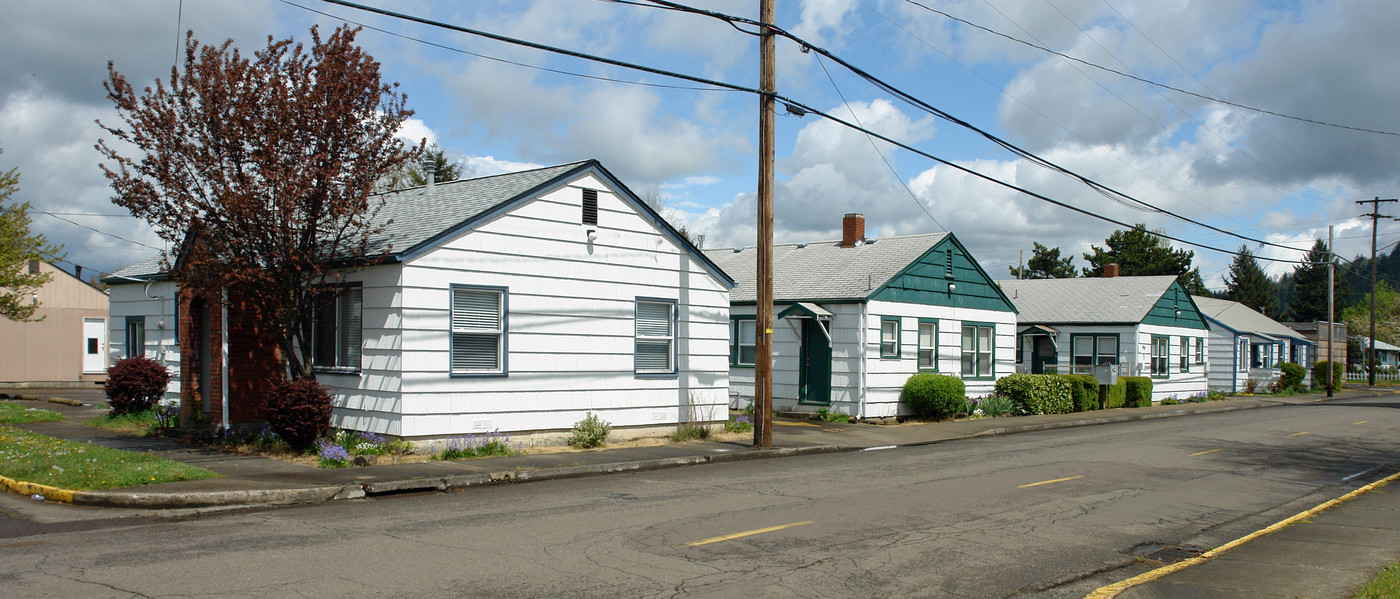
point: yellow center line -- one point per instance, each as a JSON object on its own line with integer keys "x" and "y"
{"x": 1296, "y": 434}
{"x": 1361, "y": 422}
{"x": 1205, "y": 452}
{"x": 1046, "y": 482}
{"x": 739, "y": 535}
{"x": 778, "y": 423}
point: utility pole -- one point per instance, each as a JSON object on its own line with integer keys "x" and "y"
{"x": 1331, "y": 309}
{"x": 763, "y": 331}
{"x": 1375, "y": 215}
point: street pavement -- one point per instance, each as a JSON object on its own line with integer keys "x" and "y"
{"x": 1324, "y": 552}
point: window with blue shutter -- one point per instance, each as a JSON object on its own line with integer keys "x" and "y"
{"x": 655, "y": 337}
{"x": 478, "y": 330}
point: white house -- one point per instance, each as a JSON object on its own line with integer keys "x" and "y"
{"x": 1387, "y": 355}
{"x": 1248, "y": 346}
{"x": 515, "y": 302}
{"x": 1148, "y": 326}
{"x": 143, "y": 314}
{"x": 855, "y": 318}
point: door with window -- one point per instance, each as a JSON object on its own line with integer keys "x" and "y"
{"x": 1043, "y": 353}
{"x": 814, "y": 378}
{"x": 94, "y": 345}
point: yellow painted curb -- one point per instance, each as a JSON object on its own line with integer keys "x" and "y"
{"x": 24, "y": 488}
{"x": 1112, "y": 590}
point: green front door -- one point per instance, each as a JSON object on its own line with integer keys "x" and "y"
{"x": 814, "y": 377}
{"x": 1042, "y": 353}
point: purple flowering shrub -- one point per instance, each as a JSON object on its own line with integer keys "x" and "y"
{"x": 476, "y": 446}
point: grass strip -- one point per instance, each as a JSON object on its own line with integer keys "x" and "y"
{"x": 141, "y": 423}
{"x": 1385, "y": 585}
{"x": 36, "y": 458}
{"x": 13, "y": 413}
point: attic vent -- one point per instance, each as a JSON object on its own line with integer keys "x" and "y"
{"x": 948, "y": 273}
{"x": 590, "y": 206}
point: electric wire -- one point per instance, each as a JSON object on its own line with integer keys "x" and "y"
{"x": 809, "y": 109}
{"x": 94, "y": 230}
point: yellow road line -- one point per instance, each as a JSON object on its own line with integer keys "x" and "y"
{"x": 1205, "y": 452}
{"x": 778, "y": 423}
{"x": 1046, "y": 482}
{"x": 1112, "y": 590}
{"x": 1361, "y": 422}
{"x": 1296, "y": 434}
{"x": 739, "y": 535}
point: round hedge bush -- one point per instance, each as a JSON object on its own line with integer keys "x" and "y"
{"x": 135, "y": 384}
{"x": 299, "y": 412}
{"x": 936, "y": 396}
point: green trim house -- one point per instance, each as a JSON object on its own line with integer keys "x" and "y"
{"x": 1147, "y": 326}
{"x": 855, "y": 318}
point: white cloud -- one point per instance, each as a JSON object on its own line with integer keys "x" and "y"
{"x": 414, "y": 131}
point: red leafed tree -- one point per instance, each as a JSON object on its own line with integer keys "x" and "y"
{"x": 261, "y": 169}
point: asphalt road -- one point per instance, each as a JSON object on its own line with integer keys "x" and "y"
{"x": 1048, "y": 514}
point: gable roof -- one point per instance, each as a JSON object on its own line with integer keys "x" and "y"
{"x": 414, "y": 221}
{"x": 1380, "y": 345}
{"x": 823, "y": 270}
{"x": 1242, "y": 319}
{"x": 1089, "y": 300}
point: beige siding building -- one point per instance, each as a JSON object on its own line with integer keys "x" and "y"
{"x": 69, "y": 346}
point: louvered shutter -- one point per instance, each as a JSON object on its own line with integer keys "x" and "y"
{"x": 476, "y": 330}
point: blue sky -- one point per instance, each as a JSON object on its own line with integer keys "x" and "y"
{"x": 1257, "y": 175}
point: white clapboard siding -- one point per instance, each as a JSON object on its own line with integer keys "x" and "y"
{"x": 1225, "y": 373}
{"x": 156, "y": 306}
{"x": 886, "y": 376}
{"x": 370, "y": 399}
{"x": 1176, "y": 385}
{"x": 570, "y": 326}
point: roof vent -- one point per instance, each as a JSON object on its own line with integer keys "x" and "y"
{"x": 871, "y": 241}
{"x": 737, "y": 250}
{"x": 801, "y": 245}
{"x": 429, "y": 173}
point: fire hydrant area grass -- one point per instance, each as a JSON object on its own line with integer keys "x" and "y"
{"x": 17, "y": 413}
{"x": 36, "y": 458}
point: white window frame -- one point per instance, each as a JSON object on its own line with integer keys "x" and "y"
{"x": 460, "y": 328}
{"x": 928, "y": 350}
{"x": 977, "y": 351}
{"x": 736, "y": 341}
{"x": 641, "y": 339}
{"x": 889, "y": 337}
{"x": 348, "y": 347}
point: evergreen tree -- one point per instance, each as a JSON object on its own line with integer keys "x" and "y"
{"x": 444, "y": 169}
{"x": 1248, "y": 285}
{"x": 1139, "y": 252}
{"x": 1309, "y": 301}
{"x": 1045, "y": 263}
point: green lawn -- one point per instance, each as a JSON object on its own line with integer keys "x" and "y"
{"x": 141, "y": 423}
{"x": 1386, "y": 585}
{"x": 41, "y": 459}
{"x": 18, "y": 413}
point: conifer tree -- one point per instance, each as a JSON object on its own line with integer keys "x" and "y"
{"x": 1248, "y": 285}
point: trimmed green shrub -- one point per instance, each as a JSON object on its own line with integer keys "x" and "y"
{"x": 590, "y": 432}
{"x": 1037, "y": 393}
{"x": 135, "y": 384}
{"x": 1118, "y": 394}
{"x": 1319, "y": 375}
{"x": 299, "y": 412}
{"x": 1084, "y": 391}
{"x": 1137, "y": 391}
{"x": 931, "y": 395}
{"x": 1290, "y": 379}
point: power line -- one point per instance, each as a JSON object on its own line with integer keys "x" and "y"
{"x": 794, "y": 103}
{"x": 94, "y": 230}
{"x": 1149, "y": 81}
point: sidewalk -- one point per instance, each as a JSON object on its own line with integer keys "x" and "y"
{"x": 1325, "y": 555}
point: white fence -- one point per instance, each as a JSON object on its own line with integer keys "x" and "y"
{"x": 1361, "y": 377}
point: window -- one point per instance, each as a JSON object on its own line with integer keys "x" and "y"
{"x": 928, "y": 345}
{"x": 976, "y": 351}
{"x": 135, "y": 336}
{"x": 335, "y": 329}
{"x": 1020, "y": 349}
{"x": 1185, "y": 358}
{"x": 478, "y": 323}
{"x": 590, "y": 207}
{"x": 1244, "y": 354}
{"x": 742, "y": 341}
{"x": 1093, "y": 350}
{"x": 1200, "y": 350}
{"x": 889, "y": 337}
{"x": 1159, "y": 356}
{"x": 656, "y": 340}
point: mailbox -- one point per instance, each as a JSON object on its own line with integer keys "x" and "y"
{"x": 1106, "y": 374}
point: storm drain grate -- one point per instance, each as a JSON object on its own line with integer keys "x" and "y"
{"x": 1166, "y": 554}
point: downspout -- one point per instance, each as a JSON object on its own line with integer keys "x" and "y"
{"x": 860, "y": 363}
{"x": 223, "y": 355}
{"x": 1235, "y": 365}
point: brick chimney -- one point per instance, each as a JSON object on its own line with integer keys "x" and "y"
{"x": 852, "y": 229}
{"x": 1110, "y": 270}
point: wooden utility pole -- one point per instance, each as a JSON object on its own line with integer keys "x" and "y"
{"x": 1375, "y": 215}
{"x": 1331, "y": 309}
{"x": 763, "y": 331}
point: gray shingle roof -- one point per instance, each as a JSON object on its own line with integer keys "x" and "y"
{"x": 823, "y": 270}
{"x": 1242, "y": 318}
{"x": 146, "y": 269}
{"x": 1085, "y": 300}
{"x": 416, "y": 216}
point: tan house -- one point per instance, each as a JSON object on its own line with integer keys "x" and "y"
{"x": 67, "y": 347}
